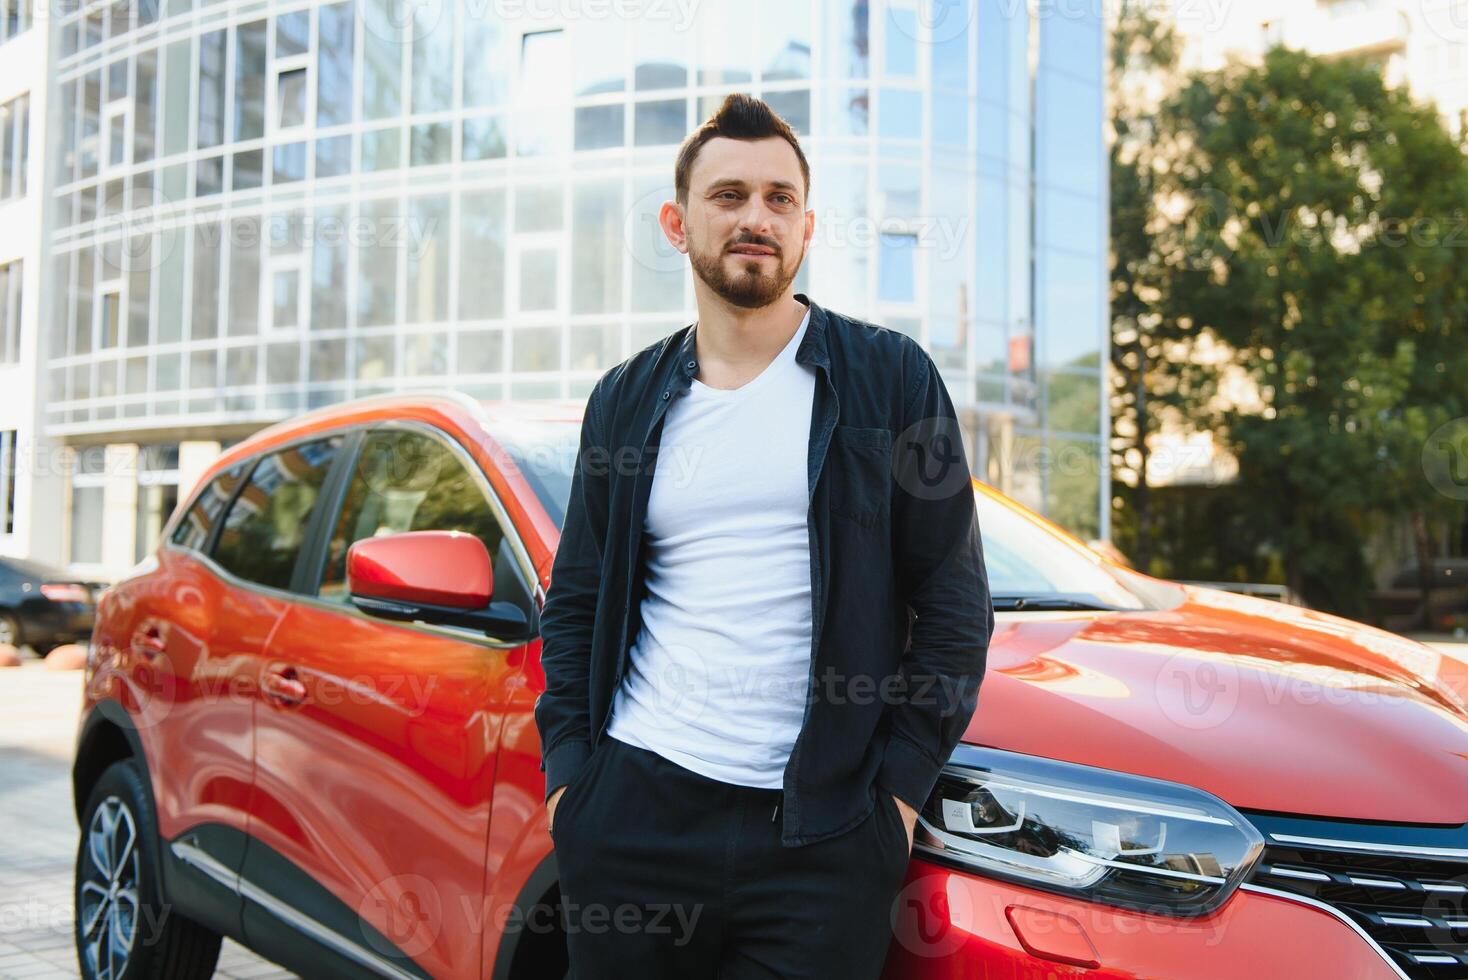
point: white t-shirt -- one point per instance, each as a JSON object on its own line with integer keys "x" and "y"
{"x": 718, "y": 675}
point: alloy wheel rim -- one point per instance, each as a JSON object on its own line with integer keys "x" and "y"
{"x": 107, "y": 906}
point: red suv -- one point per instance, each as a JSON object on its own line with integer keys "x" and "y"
{"x": 308, "y": 726}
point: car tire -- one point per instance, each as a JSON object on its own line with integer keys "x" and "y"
{"x": 124, "y": 929}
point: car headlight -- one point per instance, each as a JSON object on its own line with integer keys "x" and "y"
{"x": 1096, "y": 834}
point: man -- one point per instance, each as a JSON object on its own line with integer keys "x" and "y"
{"x": 768, "y": 614}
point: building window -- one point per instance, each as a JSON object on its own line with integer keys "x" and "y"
{"x": 896, "y": 280}
{"x": 290, "y": 96}
{"x": 114, "y": 130}
{"x": 334, "y": 65}
{"x": 286, "y": 294}
{"x": 538, "y": 277}
{"x": 8, "y": 467}
{"x": 109, "y": 312}
{"x": 545, "y": 82}
{"x": 211, "y": 81}
{"x": 14, "y": 137}
{"x": 10, "y": 309}
{"x": 18, "y": 15}
{"x": 89, "y": 476}
{"x": 157, "y": 494}
{"x": 249, "y": 81}
{"x": 544, "y": 63}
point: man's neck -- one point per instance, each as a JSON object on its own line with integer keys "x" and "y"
{"x": 733, "y": 345}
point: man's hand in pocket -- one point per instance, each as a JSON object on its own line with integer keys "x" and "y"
{"x": 909, "y": 819}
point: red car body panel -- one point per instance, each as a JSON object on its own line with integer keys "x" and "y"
{"x": 186, "y": 658}
{"x": 406, "y": 779}
{"x": 379, "y": 782}
{"x": 952, "y": 926}
{"x": 1319, "y": 710}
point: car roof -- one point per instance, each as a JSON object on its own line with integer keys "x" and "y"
{"x": 359, "y": 410}
{"x": 559, "y": 410}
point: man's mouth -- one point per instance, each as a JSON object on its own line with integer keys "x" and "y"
{"x": 746, "y": 249}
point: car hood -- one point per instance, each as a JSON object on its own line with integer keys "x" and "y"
{"x": 1268, "y": 706}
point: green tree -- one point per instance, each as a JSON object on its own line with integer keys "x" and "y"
{"x": 1311, "y": 221}
{"x": 1143, "y": 56}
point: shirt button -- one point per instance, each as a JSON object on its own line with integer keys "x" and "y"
{"x": 665, "y": 396}
{"x": 692, "y": 365}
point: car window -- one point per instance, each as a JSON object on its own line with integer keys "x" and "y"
{"x": 265, "y": 528}
{"x": 193, "y": 530}
{"x": 545, "y": 453}
{"x": 409, "y": 481}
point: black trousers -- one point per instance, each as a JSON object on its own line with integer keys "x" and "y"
{"x": 668, "y": 873}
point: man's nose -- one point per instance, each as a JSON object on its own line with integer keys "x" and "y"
{"x": 754, "y": 218}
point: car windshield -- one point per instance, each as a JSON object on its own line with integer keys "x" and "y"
{"x": 1030, "y": 567}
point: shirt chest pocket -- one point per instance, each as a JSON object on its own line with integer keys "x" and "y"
{"x": 861, "y": 475}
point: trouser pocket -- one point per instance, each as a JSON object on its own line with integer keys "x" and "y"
{"x": 893, "y": 829}
{"x": 572, "y": 793}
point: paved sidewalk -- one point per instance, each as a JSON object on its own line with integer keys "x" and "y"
{"x": 38, "y": 717}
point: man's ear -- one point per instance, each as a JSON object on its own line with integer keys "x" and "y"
{"x": 670, "y": 218}
{"x": 810, "y": 226}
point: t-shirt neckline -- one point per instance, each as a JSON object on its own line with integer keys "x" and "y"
{"x": 787, "y": 353}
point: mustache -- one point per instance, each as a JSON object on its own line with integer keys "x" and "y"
{"x": 769, "y": 243}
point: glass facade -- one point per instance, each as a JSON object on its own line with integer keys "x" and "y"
{"x": 261, "y": 207}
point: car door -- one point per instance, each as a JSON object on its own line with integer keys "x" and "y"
{"x": 196, "y": 733}
{"x": 373, "y": 782}
{"x": 227, "y": 586}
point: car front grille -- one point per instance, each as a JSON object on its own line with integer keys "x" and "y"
{"x": 1412, "y": 901}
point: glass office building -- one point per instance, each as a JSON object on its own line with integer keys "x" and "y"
{"x": 256, "y": 208}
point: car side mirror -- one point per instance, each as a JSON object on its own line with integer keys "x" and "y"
{"x": 439, "y": 577}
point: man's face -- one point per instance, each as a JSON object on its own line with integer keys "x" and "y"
{"x": 746, "y": 223}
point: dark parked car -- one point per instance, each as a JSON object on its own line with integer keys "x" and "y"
{"x": 43, "y": 606}
{"x": 1399, "y": 606}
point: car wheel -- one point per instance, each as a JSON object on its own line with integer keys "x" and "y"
{"x": 10, "y": 630}
{"x": 124, "y": 930}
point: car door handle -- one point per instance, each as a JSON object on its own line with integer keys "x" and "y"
{"x": 281, "y": 685}
{"x": 148, "y": 642}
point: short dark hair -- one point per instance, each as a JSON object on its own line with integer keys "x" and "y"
{"x": 739, "y": 117}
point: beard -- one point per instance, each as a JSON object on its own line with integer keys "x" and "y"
{"x": 749, "y": 287}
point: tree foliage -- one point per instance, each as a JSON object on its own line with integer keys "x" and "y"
{"x": 1312, "y": 221}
